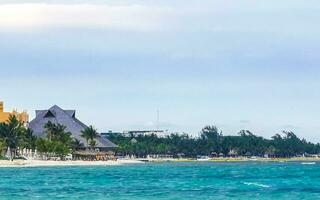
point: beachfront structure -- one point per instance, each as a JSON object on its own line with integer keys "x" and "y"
{"x": 73, "y": 125}
{"x": 4, "y": 116}
{"x": 136, "y": 133}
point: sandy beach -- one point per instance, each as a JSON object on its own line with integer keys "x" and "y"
{"x": 42, "y": 163}
{"x": 50, "y": 163}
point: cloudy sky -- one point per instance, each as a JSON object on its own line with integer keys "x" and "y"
{"x": 235, "y": 64}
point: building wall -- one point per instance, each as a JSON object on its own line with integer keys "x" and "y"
{"x": 4, "y": 116}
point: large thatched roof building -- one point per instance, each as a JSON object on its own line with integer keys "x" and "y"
{"x": 68, "y": 119}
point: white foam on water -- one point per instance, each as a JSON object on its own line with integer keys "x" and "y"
{"x": 308, "y": 163}
{"x": 257, "y": 184}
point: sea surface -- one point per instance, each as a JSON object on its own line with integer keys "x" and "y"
{"x": 164, "y": 181}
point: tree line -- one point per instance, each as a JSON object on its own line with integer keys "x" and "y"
{"x": 212, "y": 142}
{"x": 58, "y": 142}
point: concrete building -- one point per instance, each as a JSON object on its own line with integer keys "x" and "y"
{"x": 135, "y": 133}
{"x": 4, "y": 116}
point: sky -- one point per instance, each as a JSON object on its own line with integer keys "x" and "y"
{"x": 234, "y": 64}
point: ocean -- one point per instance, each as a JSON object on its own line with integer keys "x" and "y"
{"x": 164, "y": 181}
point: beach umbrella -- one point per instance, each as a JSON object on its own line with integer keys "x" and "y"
{"x": 8, "y": 153}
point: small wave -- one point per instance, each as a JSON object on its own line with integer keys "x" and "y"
{"x": 308, "y": 163}
{"x": 257, "y": 184}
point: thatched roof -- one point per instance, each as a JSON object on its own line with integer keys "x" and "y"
{"x": 68, "y": 119}
{"x": 92, "y": 153}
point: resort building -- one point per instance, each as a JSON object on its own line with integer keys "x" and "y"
{"x": 73, "y": 125}
{"x": 4, "y": 116}
{"x": 135, "y": 133}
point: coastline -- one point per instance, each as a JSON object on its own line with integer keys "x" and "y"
{"x": 244, "y": 159}
{"x": 49, "y": 163}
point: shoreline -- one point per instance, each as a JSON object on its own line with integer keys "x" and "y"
{"x": 241, "y": 159}
{"x": 50, "y": 163}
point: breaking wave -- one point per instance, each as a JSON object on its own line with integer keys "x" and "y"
{"x": 257, "y": 184}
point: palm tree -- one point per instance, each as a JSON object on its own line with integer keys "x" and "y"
{"x": 93, "y": 143}
{"x": 3, "y": 145}
{"x": 90, "y": 133}
{"x": 76, "y": 144}
{"x": 86, "y": 135}
{"x": 50, "y": 129}
{"x": 12, "y": 132}
{"x": 30, "y": 140}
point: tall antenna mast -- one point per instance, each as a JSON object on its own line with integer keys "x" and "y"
{"x": 158, "y": 118}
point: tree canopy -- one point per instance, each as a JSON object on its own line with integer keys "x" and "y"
{"x": 212, "y": 142}
{"x": 13, "y": 134}
{"x": 90, "y": 134}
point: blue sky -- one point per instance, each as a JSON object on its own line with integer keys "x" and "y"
{"x": 238, "y": 65}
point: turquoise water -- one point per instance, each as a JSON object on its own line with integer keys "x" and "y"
{"x": 164, "y": 181}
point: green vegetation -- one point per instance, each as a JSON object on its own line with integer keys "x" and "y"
{"x": 58, "y": 142}
{"x": 90, "y": 134}
{"x": 14, "y": 135}
{"x": 213, "y": 142}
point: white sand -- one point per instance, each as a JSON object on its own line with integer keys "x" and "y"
{"x": 41, "y": 163}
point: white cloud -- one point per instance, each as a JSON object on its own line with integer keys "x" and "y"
{"x": 37, "y": 16}
{"x": 167, "y": 15}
